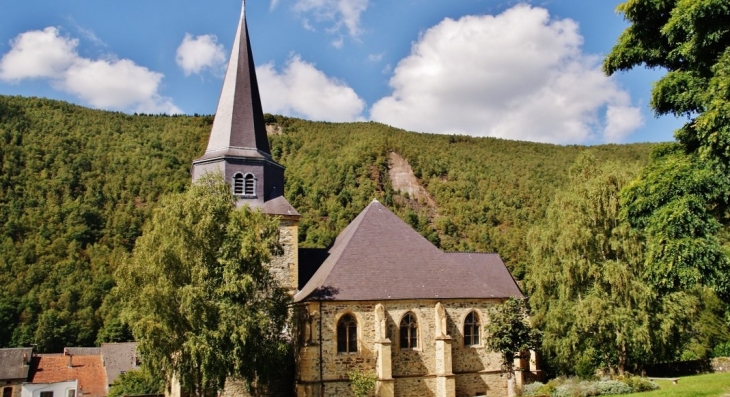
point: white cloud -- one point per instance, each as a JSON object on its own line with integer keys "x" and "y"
{"x": 302, "y": 90}
{"x": 198, "y": 53}
{"x": 38, "y": 54}
{"x": 517, "y": 75}
{"x": 621, "y": 121}
{"x": 117, "y": 85}
{"x": 376, "y": 57}
{"x": 342, "y": 13}
{"x": 102, "y": 83}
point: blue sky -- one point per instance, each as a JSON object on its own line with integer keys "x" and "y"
{"x": 516, "y": 70}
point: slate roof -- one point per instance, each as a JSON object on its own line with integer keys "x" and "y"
{"x": 279, "y": 206}
{"x": 380, "y": 257}
{"x": 119, "y": 357}
{"x": 83, "y": 351}
{"x": 238, "y": 126}
{"x": 88, "y": 371}
{"x": 12, "y": 363}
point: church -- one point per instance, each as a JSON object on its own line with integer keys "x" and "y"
{"x": 382, "y": 299}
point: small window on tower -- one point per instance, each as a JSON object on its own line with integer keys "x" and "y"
{"x": 249, "y": 188}
{"x": 238, "y": 184}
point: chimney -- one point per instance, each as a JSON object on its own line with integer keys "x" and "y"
{"x": 70, "y": 357}
{"x": 25, "y": 358}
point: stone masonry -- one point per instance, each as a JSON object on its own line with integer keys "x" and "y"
{"x": 440, "y": 366}
{"x": 285, "y": 267}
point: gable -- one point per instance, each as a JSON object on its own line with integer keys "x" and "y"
{"x": 380, "y": 257}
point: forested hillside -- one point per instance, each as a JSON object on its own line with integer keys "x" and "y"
{"x": 78, "y": 184}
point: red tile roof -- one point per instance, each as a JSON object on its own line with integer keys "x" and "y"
{"x": 87, "y": 370}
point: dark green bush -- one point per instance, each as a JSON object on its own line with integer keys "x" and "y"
{"x": 721, "y": 350}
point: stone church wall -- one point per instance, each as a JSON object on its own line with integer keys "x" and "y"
{"x": 286, "y": 267}
{"x": 476, "y": 370}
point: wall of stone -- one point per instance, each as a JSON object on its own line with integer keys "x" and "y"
{"x": 481, "y": 384}
{"x": 414, "y": 370}
{"x": 286, "y": 267}
{"x": 16, "y": 386}
{"x": 415, "y": 387}
{"x": 720, "y": 364}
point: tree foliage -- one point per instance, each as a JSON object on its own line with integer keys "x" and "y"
{"x": 586, "y": 281}
{"x": 136, "y": 383}
{"x": 682, "y": 199}
{"x": 509, "y": 331}
{"x": 198, "y": 295}
{"x": 78, "y": 184}
{"x": 361, "y": 383}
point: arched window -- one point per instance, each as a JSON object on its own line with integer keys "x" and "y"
{"x": 238, "y": 184}
{"x": 249, "y": 188}
{"x": 408, "y": 332}
{"x": 471, "y": 329}
{"x": 347, "y": 334}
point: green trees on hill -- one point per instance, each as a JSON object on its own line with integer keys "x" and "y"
{"x": 77, "y": 186}
{"x": 488, "y": 192}
{"x": 75, "y": 189}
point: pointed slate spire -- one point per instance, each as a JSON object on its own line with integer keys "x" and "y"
{"x": 239, "y": 118}
{"x": 238, "y": 147}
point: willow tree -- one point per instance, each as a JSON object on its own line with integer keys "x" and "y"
{"x": 198, "y": 295}
{"x": 585, "y": 279}
{"x": 682, "y": 200}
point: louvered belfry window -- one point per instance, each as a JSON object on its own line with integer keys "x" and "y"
{"x": 408, "y": 332}
{"x": 238, "y": 184}
{"x": 347, "y": 334}
{"x": 249, "y": 188}
{"x": 471, "y": 329}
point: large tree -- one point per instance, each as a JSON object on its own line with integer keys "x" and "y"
{"x": 197, "y": 292}
{"x": 586, "y": 281}
{"x": 682, "y": 199}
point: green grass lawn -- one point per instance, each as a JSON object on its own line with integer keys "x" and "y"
{"x": 711, "y": 385}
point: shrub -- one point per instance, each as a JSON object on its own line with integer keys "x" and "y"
{"x": 639, "y": 384}
{"x": 361, "y": 383}
{"x": 609, "y": 387}
{"x": 721, "y": 350}
{"x": 572, "y": 388}
{"x": 537, "y": 389}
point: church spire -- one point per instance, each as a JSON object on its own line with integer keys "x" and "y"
{"x": 238, "y": 147}
{"x": 239, "y": 118}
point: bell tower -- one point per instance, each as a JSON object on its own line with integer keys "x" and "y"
{"x": 238, "y": 148}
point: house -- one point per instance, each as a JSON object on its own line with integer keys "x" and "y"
{"x": 14, "y": 368}
{"x": 382, "y": 299}
{"x": 118, "y": 359}
{"x": 66, "y": 375}
{"x": 79, "y": 371}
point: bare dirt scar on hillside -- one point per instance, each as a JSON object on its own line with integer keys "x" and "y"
{"x": 404, "y": 180}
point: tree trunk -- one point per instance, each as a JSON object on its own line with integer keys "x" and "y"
{"x": 622, "y": 360}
